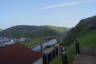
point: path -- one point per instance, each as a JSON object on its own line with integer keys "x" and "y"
{"x": 88, "y": 56}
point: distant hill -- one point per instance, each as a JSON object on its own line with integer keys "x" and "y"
{"x": 85, "y": 30}
{"x": 0, "y": 29}
{"x": 57, "y": 29}
{"x": 32, "y": 31}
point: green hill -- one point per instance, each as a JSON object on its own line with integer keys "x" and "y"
{"x": 58, "y": 29}
{"x": 82, "y": 29}
{"x": 85, "y": 31}
{"x": 32, "y": 31}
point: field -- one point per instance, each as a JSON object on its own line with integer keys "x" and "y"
{"x": 35, "y": 41}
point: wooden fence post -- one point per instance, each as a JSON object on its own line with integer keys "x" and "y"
{"x": 77, "y": 44}
{"x": 64, "y": 57}
{"x": 63, "y": 54}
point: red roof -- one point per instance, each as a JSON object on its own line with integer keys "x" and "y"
{"x": 18, "y": 54}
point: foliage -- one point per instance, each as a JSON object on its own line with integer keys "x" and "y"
{"x": 85, "y": 31}
{"x": 88, "y": 40}
{"x": 58, "y": 29}
{"x": 83, "y": 27}
{"x": 71, "y": 53}
{"x": 30, "y": 31}
{"x": 35, "y": 41}
{"x": 56, "y": 60}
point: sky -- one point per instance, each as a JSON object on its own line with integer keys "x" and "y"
{"x": 45, "y": 12}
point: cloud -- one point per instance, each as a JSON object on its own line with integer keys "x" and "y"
{"x": 62, "y": 5}
{"x": 68, "y": 4}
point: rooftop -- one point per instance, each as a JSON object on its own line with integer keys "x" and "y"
{"x": 18, "y": 54}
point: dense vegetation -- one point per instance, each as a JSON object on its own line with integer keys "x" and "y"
{"x": 33, "y": 43}
{"x": 85, "y": 31}
{"x": 32, "y": 31}
{"x": 85, "y": 26}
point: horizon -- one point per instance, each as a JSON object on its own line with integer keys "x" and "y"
{"x": 33, "y": 25}
{"x": 52, "y": 12}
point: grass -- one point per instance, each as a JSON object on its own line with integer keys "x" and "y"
{"x": 56, "y": 60}
{"x": 35, "y": 41}
{"x": 89, "y": 40}
{"x": 58, "y": 29}
{"x": 70, "y": 54}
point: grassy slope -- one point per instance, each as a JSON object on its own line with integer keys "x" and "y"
{"x": 89, "y": 40}
{"x": 87, "y": 36}
{"x": 58, "y": 29}
{"x": 71, "y": 53}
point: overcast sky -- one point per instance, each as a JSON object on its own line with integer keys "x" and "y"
{"x": 45, "y": 12}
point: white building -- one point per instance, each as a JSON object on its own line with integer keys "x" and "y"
{"x": 38, "y": 61}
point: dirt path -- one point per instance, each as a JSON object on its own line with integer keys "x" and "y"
{"x": 88, "y": 56}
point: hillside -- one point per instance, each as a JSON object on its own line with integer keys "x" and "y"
{"x": 31, "y": 31}
{"x": 85, "y": 31}
{"x": 58, "y": 29}
{"x": 84, "y": 27}
{"x": 0, "y": 29}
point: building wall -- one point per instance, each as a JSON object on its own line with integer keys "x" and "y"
{"x": 39, "y": 61}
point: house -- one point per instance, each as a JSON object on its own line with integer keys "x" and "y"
{"x": 4, "y": 41}
{"x": 24, "y": 39}
{"x": 19, "y": 54}
{"x": 7, "y": 41}
{"x": 13, "y": 40}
